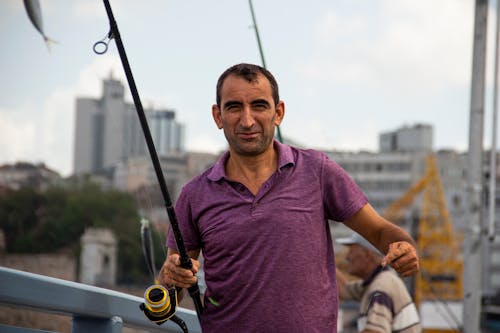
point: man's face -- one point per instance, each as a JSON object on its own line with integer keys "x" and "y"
{"x": 247, "y": 115}
{"x": 358, "y": 262}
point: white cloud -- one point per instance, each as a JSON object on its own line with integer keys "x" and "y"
{"x": 54, "y": 131}
{"x": 90, "y": 77}
{"x": 425, "y": 41}
{"x": 44, "y": 131}
{"x": 333, "y": 25}
{"x": 406, "y": 45}
{"x": 16, "y": 136}
{"x": 205, "y": 142}
{"x": 88, "y": 9}
{"x": 313, "y": 133}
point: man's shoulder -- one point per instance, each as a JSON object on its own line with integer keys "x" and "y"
{"x": 387, "y": 277}
{"x": 309, "y": 152}
{"x": 390, "y": 283}
{"x": 199, "y": 179}
{"x": 308, "y": 155}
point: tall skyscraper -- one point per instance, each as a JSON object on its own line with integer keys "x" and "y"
{"x": 107, "y": 131}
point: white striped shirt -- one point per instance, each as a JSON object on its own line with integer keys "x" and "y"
{"x": 385, "y": 304}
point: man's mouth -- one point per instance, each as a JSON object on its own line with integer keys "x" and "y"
{"x": 247, "y": 135}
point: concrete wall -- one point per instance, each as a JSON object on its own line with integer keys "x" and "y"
{"x": 60, "y": 266}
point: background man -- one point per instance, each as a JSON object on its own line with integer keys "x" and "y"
{"x": 385, "y": 304}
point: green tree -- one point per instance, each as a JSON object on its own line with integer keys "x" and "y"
{"x": 49, "y": 221}
{"x": 18, "y": 217}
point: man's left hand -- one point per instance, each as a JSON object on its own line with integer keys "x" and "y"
{"x": 403, "y": 257}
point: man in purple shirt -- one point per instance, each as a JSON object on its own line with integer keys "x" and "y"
{"x": 260, "y": 217}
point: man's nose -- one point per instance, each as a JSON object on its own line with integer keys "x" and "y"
{"x": 247, "y": 119}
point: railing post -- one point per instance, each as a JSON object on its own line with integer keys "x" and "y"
{"x": 83, "y": 324}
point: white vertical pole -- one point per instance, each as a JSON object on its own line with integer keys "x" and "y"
{"x": 472, "y": 241}
{"x": 493, "y": 157}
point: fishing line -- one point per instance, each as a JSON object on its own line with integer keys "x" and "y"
{"x": 441, "y": 304}
{"x": 444, "y": 304}
{"x": 143, "y": 198}
{"x": 160, "y": 303}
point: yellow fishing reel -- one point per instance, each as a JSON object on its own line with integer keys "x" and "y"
{"x": 159, "y": 303}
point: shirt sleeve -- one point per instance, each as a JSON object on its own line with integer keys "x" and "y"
{"x": 341, "y": 195}
{"x": 379, "y": 313}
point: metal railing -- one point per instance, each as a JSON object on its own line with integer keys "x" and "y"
{"x": 93, "y": 309}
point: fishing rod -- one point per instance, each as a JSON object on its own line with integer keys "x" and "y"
{"x": 101, "y": 47}
{"x": 261, "y": 52}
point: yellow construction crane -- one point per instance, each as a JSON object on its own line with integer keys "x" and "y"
{"x": 440, "y": 277}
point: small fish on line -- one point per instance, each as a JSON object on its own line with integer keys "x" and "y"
{"x": 35, "y": 15}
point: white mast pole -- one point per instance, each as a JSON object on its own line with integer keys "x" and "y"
{"x": 472, "y": 241}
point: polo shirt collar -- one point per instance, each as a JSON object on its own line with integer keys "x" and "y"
{"x": 285, "y": 157}
{"x": 375, "y": 272}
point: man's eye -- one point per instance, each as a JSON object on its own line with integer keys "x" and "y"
{"x": 233, "y": 108}
{"x": 260, "y": 107}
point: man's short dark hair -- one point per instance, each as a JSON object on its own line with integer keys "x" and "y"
{"x": 249, "y": 72}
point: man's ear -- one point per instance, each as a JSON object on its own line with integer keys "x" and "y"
{"x": 216, "y": 114}
{"x": 280, "y": 113}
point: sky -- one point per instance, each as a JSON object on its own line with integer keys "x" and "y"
{"x": 347, "y": 69}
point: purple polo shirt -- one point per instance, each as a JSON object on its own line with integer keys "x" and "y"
{"x": 268, "y": 259}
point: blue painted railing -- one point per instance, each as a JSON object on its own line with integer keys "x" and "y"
{"x": 93, "y": 309}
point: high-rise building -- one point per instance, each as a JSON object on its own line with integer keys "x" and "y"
{"x": 108, "y": 131}
{"x": 407, "y": 139}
